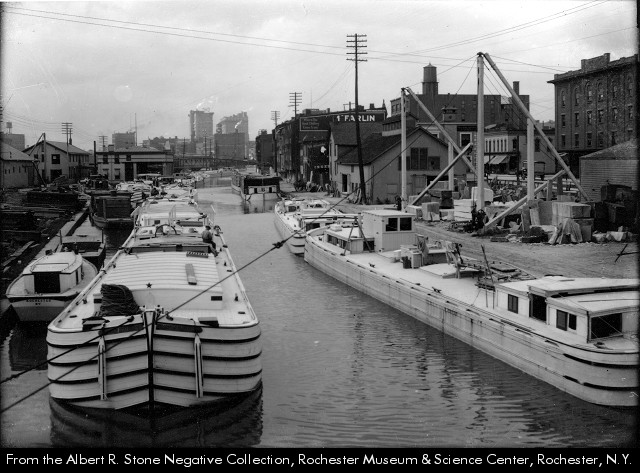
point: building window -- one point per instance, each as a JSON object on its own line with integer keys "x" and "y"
{"x": 630, "y": 112}
{"x": 614, "y": 115}
{"x": 536, "y": 144}
{"x": 128, "y": 157}
{"x": 600, "y": 139}
{"x": 563, "y": 99}
{"x": 563, "y": 120}
{"x": 589, "y": 92}
{"x": 600, "y": 116}
{"x": 105, "y": 160}
{"x": 600, "y": 92}
{"x": 55, "y": 159}
{"x": 629, "y": 134}
{"x": 614, "y": 90}
{"x": 576, "y": 97}
{"x": 512, "y": 303}
{"x": 629, "y": 85}
{"x": 434, "y": 163}
{"x": 563, "y": 141}
{"x": 576, "y": 119}
{"x": 576, "y": 140}
{"x": 613, "y": 138}
{"x": 589, "y": 117}
{"x": 589, "y": 139}
{"x": 418, "y": 159}
{"x": 117, "y": 160}
{"x": 352, "y": 168}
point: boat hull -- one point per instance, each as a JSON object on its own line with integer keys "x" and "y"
{"x": 295, "y": 241}
{"x": 586, "y": 373}
{"x": 40, "y": 307}
{"x": 113, "y": 368}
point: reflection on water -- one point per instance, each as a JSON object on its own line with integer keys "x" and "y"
{"x": 234, "y": 424}
{"x": 27, "y": 347}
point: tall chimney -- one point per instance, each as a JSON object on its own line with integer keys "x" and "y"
{"x": 516, "y": 87}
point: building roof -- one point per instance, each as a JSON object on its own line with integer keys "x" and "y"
{"x": 628, "y": 149}
{"x": 344, "y": 134}
{"x": 62, "y": 146}
{"x": 9, "y": 153}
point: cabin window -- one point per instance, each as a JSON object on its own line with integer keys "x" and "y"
{"x": 46, "y": 282}
{"x": 512, "y": 303}
{"x": 565, "y": 319}
{"x": 392, "y": 225}
{"x": 538, "y": 308}
{"x": 605, "y": 326}
{"x": 405, "y": 223}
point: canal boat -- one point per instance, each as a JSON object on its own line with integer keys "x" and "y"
{"x": 255, "y": 188}
{"x": 92, "y": 248}
{"x": 577, "y": 334}
{"x": 111, "y": 208}
{"x": 167, "y": 322}
{"x": 48, "y": 284}
{"x": 296, "y": 216}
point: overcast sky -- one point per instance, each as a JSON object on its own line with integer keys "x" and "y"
{"x": 116, "y": 66}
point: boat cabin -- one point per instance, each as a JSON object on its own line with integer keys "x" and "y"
{"x": 390, "y": 229}
{"x": 587, "y": 309}
{"x": 53, "y": 273}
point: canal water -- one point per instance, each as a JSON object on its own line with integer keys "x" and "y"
{"x": 340, "y": 369}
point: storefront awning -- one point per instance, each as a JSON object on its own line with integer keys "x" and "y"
{"x": 496, "y": 158}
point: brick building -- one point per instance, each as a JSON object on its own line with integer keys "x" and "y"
{"x": 595, "y": 106}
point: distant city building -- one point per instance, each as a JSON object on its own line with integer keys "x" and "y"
{"x": 265, "y": 150}
{"x": 123, "y": 140}
{"x": 595, "y": 106}
{"x": 458, "y": 113}
{"x": 200, "y": 125}
{"x": 234, "y": 123}
{"x": 125, "y": 164}
{"x": 14, "y": 140}
{"x": 302, "y": 143}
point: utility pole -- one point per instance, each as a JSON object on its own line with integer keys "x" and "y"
{"x": 66, "y": 129}
{"x": 294, "y": 101}
{"x": 355, "y": 43}
{"x": 274, "y": 116}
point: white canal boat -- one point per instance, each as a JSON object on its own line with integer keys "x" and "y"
{"x": 577, "y": 334}
{"x": 295, "y": 217}
{"x": 48, "y": 284}
{"x": 166, "y": 322}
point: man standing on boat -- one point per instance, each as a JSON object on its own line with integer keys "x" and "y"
{"x": 207, "y": 237}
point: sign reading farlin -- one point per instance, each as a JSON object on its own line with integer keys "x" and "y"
{"x": 352, "y": 118}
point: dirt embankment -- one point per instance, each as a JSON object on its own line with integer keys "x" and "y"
{"x": 539, "y": 259}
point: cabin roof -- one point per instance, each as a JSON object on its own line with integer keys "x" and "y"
{"x": 552, "y": 285}
{"x": 599, "y": 302}
{"x": 55, "y": 262}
